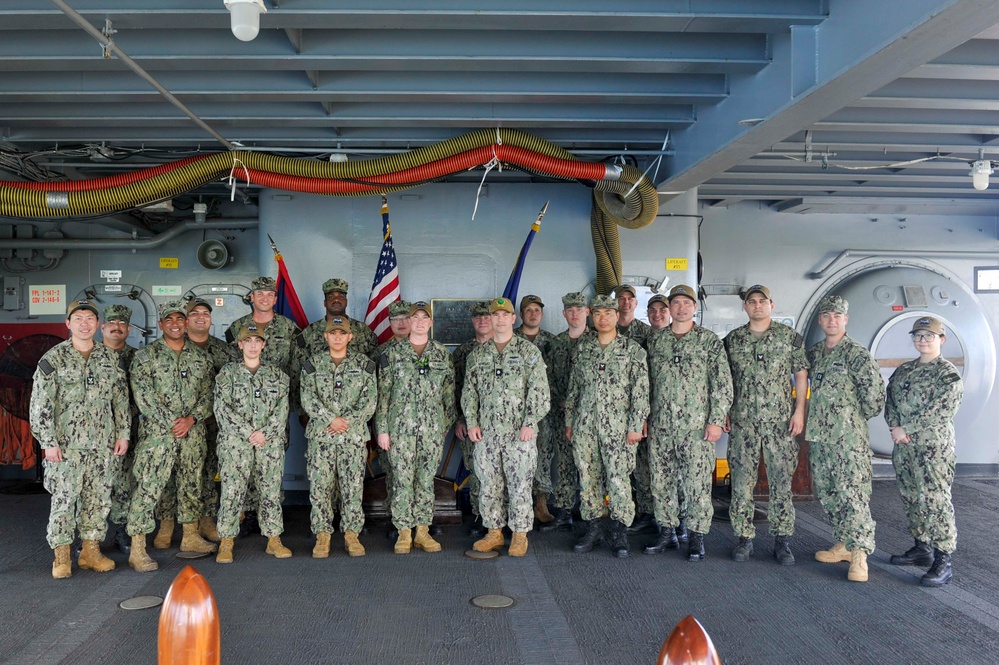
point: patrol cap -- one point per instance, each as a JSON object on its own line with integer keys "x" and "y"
{"x": 658, "y": 298}
{"x": 197, "y": 302}
{"x": 82, "y": 304}
{"x": 420, "y": 306}
{"x": 531, "y": 300}
{"x": 399, "y": 308}
{"x": 574, "y": 299}
{"x": 480, "y": 309}
{"x": 335, "y": 284}
{"x": 625, "y": 288}
{"x": 251, "y": 330}
{"x": 929, "y": 323}
{"x": 172, "y": 307}
{"x": 263, "y": 284}
{"x": 503, "y": 304}
{"x": 338, "y": 323}
{"x": 681, "y": 290}
{"x": 756, "y": 288}
{"x": 118, "y": 313}
{"x": 833, "y": 304}
{"x": 603, "y": 302}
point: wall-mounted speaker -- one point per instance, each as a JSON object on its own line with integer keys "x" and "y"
{"x": 213, "y": 255}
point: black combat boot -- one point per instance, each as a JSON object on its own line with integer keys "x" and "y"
{"x": 477, "y": 529}
{"x": 594, "y": 536}
{"x": 782, "y": 550}
{"x": 122, "y": 540}
{"x": 920, "y": 554}
{"x": 940, "y": 572}
{"x": 392, "y": 534}
{"x": 681, "y": 531}
{"x": 619, "y": 540}
{"x": 643, "y": 522}
{"x": 562, "y": 522}
{"x": 666, "y": 541}
{"x": 743, "y": 550}
{"x": 695, "y": 549}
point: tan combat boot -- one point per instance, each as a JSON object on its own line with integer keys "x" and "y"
{"x": 518, "y": 544}
{"x": 138, "y": 559}
{"x": 225, "y": 551}
{"x": 193, "y": 542}
{"x": 352, "y": 544}
{"x": 208, "y": 530}
{"x": 275, "y": 547}
{"x": 92, "y": 559}
{"x": 834, "y": 554}
{"x": 164, "y": 535}
{"x": 404, "y": 543}
{"x": 541, "y": 508}
{"x": 493, "y": 540}
{"x": 322, "y": 548}
{"x": 62, "y": 567}
{"x": 424, "y": 541}
{"x": 858, "y": 566}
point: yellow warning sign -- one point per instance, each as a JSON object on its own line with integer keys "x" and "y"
{"x": 674, "y": 264}
{"x": 175, "y": 262}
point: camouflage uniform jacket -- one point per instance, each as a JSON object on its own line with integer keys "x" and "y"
{"x": 460, "y": 358}
{"x": 562, "y": 354}
{"x": 247, "y": 401}
{"x": 125, "y": 355}
{"x": 847, "y": 390}
{"x": 637, "y": 331}
{"x": 346, "y": 390}
{"x": 505, "y": 391}
{"x": 415, "y": 391}
{"x": 79, "y": 403}
{"x": 221, "y": 354}
{"x": 689, "y": 378}
{"x": 383, "y": 348}
{"x": 283, "y": 342}
{"x": 313, "y": 338}
{"x": 608, "y": 387}
{"x": 762, "y": 372}
{"x": 924, "y": 399}
{"x": 168, "y": 385}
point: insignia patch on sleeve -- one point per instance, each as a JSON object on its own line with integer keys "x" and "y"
{"x": 300, "y": 338}
{"x": 229, "y": 335}
{"x": 308, "y": 367}
{"x": 46, "y": 367}
{"x": 369, "y": 366}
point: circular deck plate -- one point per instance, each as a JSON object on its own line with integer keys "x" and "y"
{"x": 141, "y": 603}
{"x": 492, "y": 601}
{"x": 193, "y": 555}
{"x": 473, "y": 554}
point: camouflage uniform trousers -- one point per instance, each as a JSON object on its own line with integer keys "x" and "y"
{"x": 506, "y": 467}
{"x": 336, "y": 469}
{"x": 239, "y": 461}
{"x": 841, "y": 472}
{"x": 682, "y": 463}
{"x": 122, "y": 486}
{"x": 80, "y": 486}
{"x": 156, "y": 459}
{"x": 415, "y": 457}
{"x": 566, "y": 475}
{"x": 474, "y": 487}
{"x": 925, "y": 473}
{"x": 642, "y": 479}
{"x": 546, "y": 452}
{"x": 780, "y": 454}
{"x": 166, "y": 507}
{"x": 605, "y": 460}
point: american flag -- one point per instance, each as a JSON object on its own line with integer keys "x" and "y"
{"x": 385, "y": 287}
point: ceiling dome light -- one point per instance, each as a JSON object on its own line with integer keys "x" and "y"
{"x": 980, "y": 172}
{"x": 245, "y": 17}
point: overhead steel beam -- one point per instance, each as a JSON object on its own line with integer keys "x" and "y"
{"x": 860, "y": 48}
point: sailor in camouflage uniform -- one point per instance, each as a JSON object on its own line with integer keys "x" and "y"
{"x": 504, "y": 398}
{"x": 629, "y": 326}
{"x": 79, "y": 414}
{"x": 532, "y": 311}
{"x": 691, "y": 390}
{"x": 313, "y": 339}
{"x": 763, "y": 355}
{"x": 923, "y": 398}
{"x": 172, "y": 385}
{"x": 415, "y": 411}
{"x": 605, "y": 411}
{"x": 340, "y": 395}
{"x": 251, "y": 408}
{"x": 847, "y": 391}
{"x": 114, "y": 334}
{"x": 563, "y": 347}
{"x": 482, "y": 322}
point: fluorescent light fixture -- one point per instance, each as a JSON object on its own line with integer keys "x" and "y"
{"x": 245, "y": 17}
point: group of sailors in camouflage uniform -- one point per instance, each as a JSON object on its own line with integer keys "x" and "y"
{"x": 625, "y": 413}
